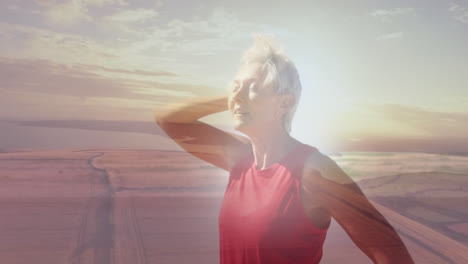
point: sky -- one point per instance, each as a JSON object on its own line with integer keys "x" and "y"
{"x": 376, "y": 75}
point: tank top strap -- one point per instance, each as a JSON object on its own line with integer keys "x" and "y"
{"x": 295, "y": 161}
{"x": 241, "y": 165}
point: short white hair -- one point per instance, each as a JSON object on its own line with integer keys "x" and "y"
{"x": 281, "y": 71}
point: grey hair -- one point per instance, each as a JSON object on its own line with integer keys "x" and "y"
{"x": 281, "y": 71}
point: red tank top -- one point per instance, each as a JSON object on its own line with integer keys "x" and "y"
{"x": 262, "y": 221}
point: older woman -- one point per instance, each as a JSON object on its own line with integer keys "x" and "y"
{"x": 281, "y": 193}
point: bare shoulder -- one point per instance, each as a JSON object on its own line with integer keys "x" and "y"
{"x": 322, "y": 179}
{"x": 322, "y": 166}
{"x": 325, "y": 185}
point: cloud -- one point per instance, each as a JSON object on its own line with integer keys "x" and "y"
{"x": 388, "y": 15}
{"x": 133, "y": 39}
{"x": 386, "y": 144}
{"x": 46, "y": 77}
{"x": 102, "y": 3}
{"x": 393, "y": 35}
{"x": 132, "y": 16}
{"x": 367, "y": 165}
{"x": 71, "y": 12}
{"x": 459, "y": 13}
{"x": 131, "y": 45}
{"x": 48, "y": 44}
{"x": 68, "y": 13}
{"x": 135, "y": 45}
{"x": 96, "y": 68}
{"x": 86, "y": 3}
{"x": 34, "y": 105}
{"x": 463, "y": 100}
{"x": 130, "y": 24}
{"x": 219, "y": 32}
{"x": 20, "y": 41}
{"x": 396, "y": 127}
{"x": 435, "y": 124}
{"x": 39, "y": 89}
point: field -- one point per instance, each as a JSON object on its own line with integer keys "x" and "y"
{"x": 150, "y": 206}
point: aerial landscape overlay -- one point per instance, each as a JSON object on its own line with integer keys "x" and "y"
{"x": 153, "y": 206}
{"x": 93, "y": 171}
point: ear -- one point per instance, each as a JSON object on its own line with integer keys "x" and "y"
{"x": 287, "y": 101}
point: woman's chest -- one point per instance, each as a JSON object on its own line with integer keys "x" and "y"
{"x": 251, "y": 203}
{"x": 256, "y": 203}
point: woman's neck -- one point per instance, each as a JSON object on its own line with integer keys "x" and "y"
{"x": 271, "y": 148}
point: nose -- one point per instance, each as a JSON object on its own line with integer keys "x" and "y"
{"x": 239, "y": 94}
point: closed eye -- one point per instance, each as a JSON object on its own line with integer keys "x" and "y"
{"x": 236, "y": 85}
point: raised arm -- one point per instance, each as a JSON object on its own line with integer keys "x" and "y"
{"x": 190, "y": 110}
{"x": 324, "y": 181}
{"x": 180, "y": 122}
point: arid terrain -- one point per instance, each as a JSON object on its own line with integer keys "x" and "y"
{"x": 150, "y": 206}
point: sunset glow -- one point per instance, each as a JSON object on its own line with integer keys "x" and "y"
{"x": 393, "y": 70}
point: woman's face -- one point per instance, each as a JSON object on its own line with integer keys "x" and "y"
{"x": 254, "y": 106}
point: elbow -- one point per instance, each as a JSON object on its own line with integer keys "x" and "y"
{"x": 401, "y": 256}
{"x": 160, "y": 120}
{"x": 159, "y": 116}
{"x": 163, "y": 118}
{"x": 393, "y": 260}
